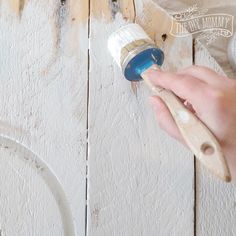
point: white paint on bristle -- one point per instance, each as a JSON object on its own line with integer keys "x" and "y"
{"x": 124, "y": 36}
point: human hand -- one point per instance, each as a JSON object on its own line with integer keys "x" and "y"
{"x": 210, "y": 96}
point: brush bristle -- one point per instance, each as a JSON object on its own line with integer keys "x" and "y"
{"x": 123, "y": 37}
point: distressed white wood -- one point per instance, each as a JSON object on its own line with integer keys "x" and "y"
{"x": 140, "y": 180}
{"x": 43, "y": 97}
{"x": 215, "y": 200}
{"x": 218, "y": 49}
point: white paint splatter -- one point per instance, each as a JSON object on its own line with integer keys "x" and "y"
{"x": 183, "y": 116}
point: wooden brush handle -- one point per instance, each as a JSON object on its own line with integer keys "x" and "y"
{"x": 197, "y": 136}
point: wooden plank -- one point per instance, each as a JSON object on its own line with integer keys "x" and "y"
{"x": 128, "y": 9}
{"x": 215, "y": 200}
{"x": 16, "y": 6}
{"x": 157, "y": 23}
{"x": 140, "y": 180}
{"x": 43, "y": 113}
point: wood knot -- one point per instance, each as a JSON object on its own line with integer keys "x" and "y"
{"x": 164, "y": 37}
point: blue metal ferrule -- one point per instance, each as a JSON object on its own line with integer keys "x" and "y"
{"x": 141, "y": 62}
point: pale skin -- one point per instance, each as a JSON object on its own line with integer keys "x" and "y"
{"x": 210, "y": 96}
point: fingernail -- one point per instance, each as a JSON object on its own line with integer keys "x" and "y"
{"x": 155, "y": 68}
{"x": 152, "y": 73}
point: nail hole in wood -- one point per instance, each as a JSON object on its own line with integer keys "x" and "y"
{"x": 207, "y": 149}
{"x": 63, "y": 2}
{"x": 164, "y": 37}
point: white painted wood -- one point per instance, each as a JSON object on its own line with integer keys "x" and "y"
{"x": 33, "y": 201}
{"x": 140, "y": 180}
{"x": 43, "y": 97}
{"x": 215, "y": 200}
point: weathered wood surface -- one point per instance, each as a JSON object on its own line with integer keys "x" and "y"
{"x": 215, "y": 200}
{"x": 43, "y": 103}
{"x": 140, "y": 181}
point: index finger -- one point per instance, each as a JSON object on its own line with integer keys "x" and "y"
{"x": 184, "y": 86}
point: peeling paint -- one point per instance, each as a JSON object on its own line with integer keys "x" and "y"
{"x": 115, "y": 7}
{"x": 77, "y": 22}
{"x": 108, "y": 10}
{"x": 17, "y": 6}
{"x": 134, "y": 87}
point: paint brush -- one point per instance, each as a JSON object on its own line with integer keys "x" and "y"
{"x": 135, "y": 53}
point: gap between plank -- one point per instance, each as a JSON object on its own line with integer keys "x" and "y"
{"x": 195, "y": 167}
{"x": 87, "y": 123}
{"x": 134, "y": 5}
{"x": 195, "y": 199}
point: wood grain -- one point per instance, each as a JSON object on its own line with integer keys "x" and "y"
{"x": 127, "y": 9}
{"x": 46, "y": 113}
{"x": 215, "y": 200}
{"x": 15, "y": 5}
{"x": 76, "y": 21}
{"x": 140, "y": 181}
